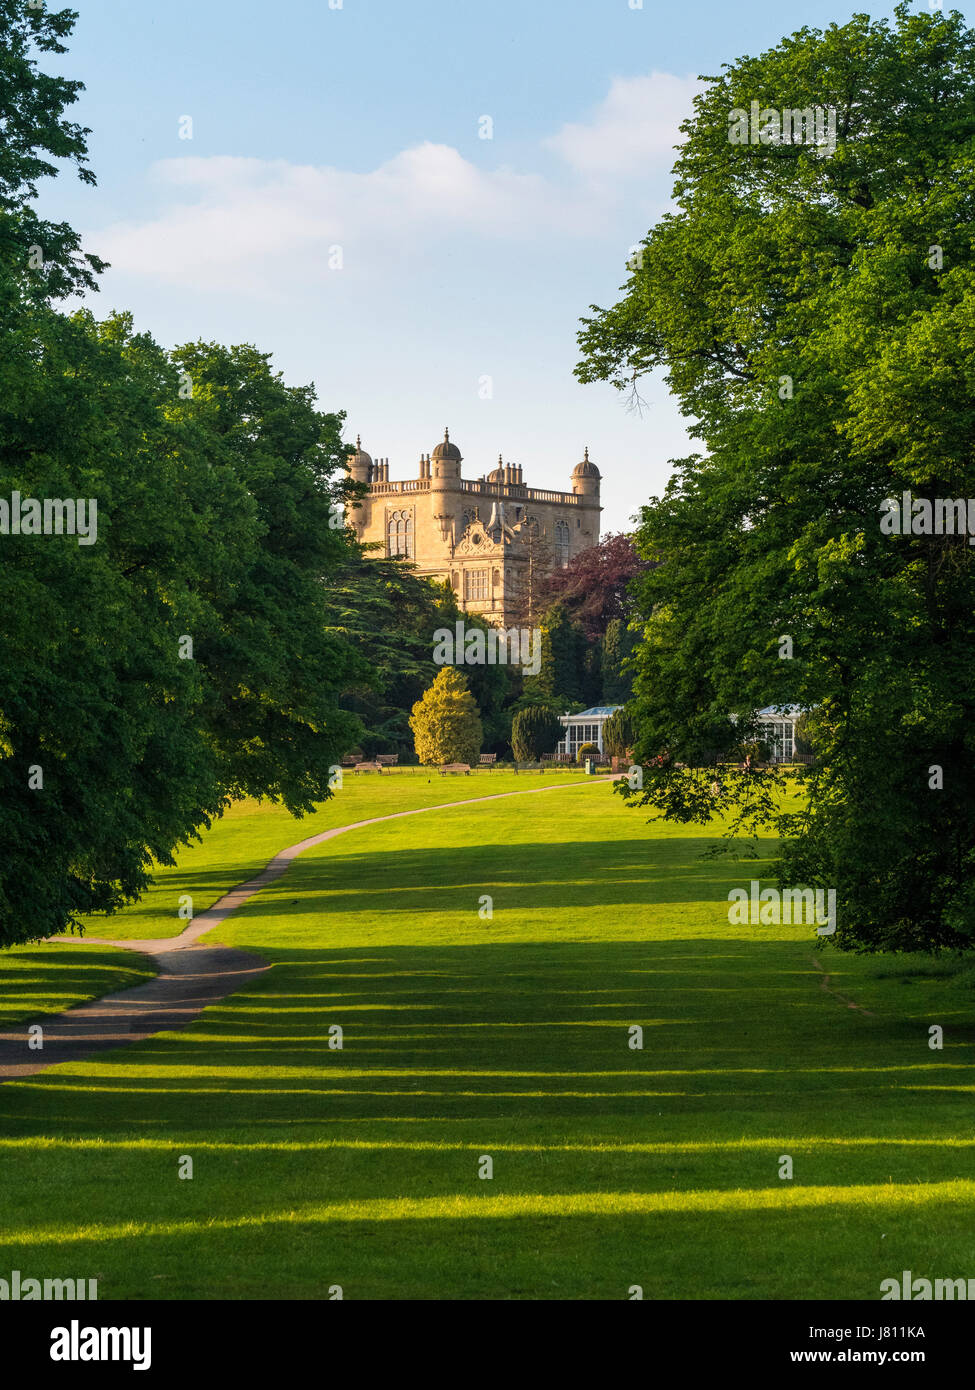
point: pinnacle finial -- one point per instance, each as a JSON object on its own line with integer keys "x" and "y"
{"x": 358, "y": 442}
{"x": 446, "y": 435}
{"x": 586, "y": 454}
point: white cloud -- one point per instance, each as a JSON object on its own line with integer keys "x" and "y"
{"x": 265, "y": 228}
{"x": 633, "y": 130}
{"x": 228, "y": 218}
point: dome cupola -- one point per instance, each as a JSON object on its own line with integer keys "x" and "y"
{"x": 360, "y": 463}
{"x": 446, "y": 450}
{"x": 586, "y": 468}
{"x": 586, "y": 476}
{"x": 446, "y": 459}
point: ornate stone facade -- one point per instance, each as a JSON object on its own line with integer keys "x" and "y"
{"x": 491, "y": 538}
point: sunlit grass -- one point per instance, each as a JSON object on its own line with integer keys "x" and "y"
{"x": 561, "y": 1204}
{"x": 251, "y": 833}
{"x": 508, "y": 1037}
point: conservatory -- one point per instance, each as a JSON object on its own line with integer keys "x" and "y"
{"x": 585, "y": 727}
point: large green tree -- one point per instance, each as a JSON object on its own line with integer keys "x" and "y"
{"x": 814, "y": 313}
{"x": 178, "y": 658}
{"x": 181, "y": 659}
{"x": 389, "y": 615}
{"x": 273, "y": 672}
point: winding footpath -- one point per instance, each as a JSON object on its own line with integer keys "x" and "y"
{"x": 190, "y": 976}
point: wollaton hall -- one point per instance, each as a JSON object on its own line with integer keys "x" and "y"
{"x": 490, "y": 538}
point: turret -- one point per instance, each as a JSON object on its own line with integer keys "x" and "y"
{"x": 360, "y": 464}
{"x": 445, "y": 465}
{"x": 585, "y": 478}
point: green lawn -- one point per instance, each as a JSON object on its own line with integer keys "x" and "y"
{"x": 49, "y": 977}
{"x": 251, "y": 833}
{"x": 508, "y": 1038}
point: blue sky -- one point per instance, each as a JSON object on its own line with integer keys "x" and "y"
{"x": 465, "y": 262}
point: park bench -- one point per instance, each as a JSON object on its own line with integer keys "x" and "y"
{"x": 388, "y": 759}
{"x": 488, "y": 759}
{"x": 350, "y": 760}
{"x": 368, "y": 767}
{"x": 455, "y": 767}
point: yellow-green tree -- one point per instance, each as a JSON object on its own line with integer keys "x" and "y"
{"x": 445, "y": 722}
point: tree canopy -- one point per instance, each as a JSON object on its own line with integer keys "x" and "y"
{"x": 594, "y": 586}
{"x": 534, "y": 732}
{"x": 814, "y": 313}
{"x": 181, "y": 659}
{"x": 176, "y": 656}
{"x": 565, "y": 667}
{"x": 39, "y": 260}
{"x": 619, "y": 733}
{"x": 390, "y": 615}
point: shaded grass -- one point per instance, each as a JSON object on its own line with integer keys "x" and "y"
{"x": 465, "y": 1037}
{"x": 48, "y": 977}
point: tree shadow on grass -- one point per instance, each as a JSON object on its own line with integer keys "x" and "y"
{"x": 822, "y": 1249}
{"x": 514, "y": 1030}
{"x": 519, "y": 1051}
{"x": 599, "y": 874}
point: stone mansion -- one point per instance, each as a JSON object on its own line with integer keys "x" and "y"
{"x": 491, "y": 537}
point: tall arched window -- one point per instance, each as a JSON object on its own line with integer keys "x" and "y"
{"x": 562, "y": 543}
{"x": 399, "y": 527}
